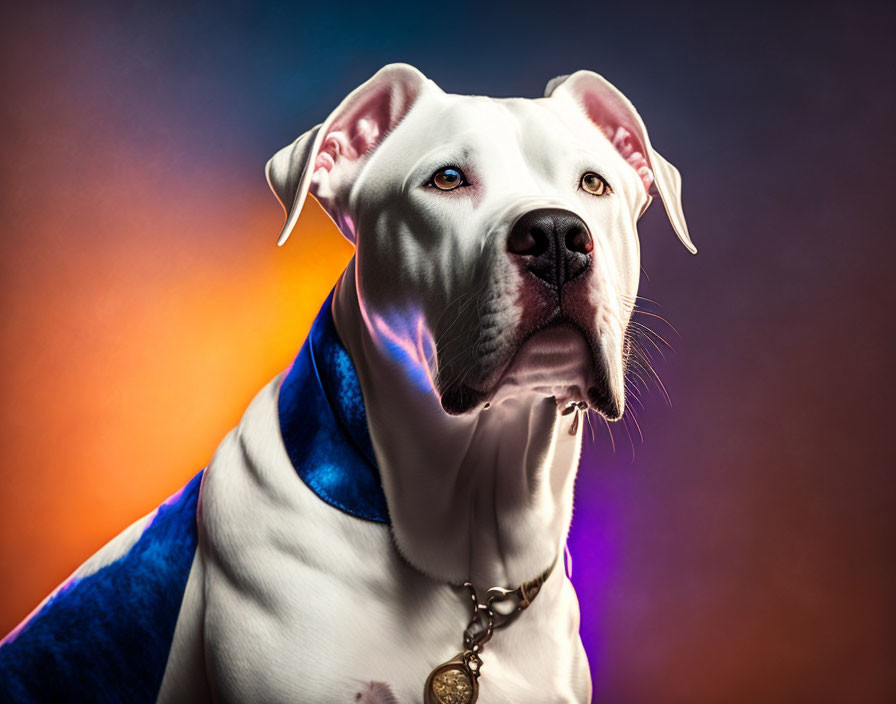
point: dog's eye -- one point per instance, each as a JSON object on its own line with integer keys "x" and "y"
{"x": 594, "y": 184}
{"x": 448, "y": 178}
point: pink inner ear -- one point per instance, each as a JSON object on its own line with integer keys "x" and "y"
{"x": 627, "y": 143}
{"x": 332, "y": 148}
{"x": 357, "y": 131}
{"x": 365, "y": 135}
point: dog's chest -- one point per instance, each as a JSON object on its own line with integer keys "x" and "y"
{"x": 306, "y": 603}
{"x": 301, "y": 635}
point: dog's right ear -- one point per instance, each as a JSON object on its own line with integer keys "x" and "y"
{"x": 325, "y": 160}
{"x": 617, "y": 118}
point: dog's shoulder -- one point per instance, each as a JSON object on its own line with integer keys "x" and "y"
{"x": 256, "y": 506}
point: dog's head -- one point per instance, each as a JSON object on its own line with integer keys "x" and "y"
{"x": 496, "y": 244}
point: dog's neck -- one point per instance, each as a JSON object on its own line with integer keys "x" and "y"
{"x": 486, "y": 496}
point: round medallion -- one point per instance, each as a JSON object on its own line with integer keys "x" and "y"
{"x": 451, "y": 683}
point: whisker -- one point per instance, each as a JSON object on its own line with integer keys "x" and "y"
{"x": 638, "y": 426}
{"x": 639, "y": 328}
{"x": 659, "y": 382}
{"x": 610, "y": 431}
{"x": 631, "y": 442}
{"x": 640, "y": 311}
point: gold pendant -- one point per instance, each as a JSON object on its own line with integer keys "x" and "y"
{"x": 452, "y": 682}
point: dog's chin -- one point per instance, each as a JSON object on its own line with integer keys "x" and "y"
{"x": 555, "y": 362}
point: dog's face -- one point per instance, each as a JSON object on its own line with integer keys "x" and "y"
{"x": 496, "y": 244}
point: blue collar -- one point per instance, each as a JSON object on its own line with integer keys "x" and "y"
{"x": 324, "y": 424}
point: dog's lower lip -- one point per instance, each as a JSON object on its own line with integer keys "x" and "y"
{"x": 460, "y": 398}
{"x": 557, "y": 346}
{"x": 603, "y": 401}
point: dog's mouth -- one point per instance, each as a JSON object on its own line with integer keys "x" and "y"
{"x": 557, "y": 360}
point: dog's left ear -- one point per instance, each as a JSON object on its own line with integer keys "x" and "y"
{"x": 612, "y": 112}
{"x": 325, "y": 160}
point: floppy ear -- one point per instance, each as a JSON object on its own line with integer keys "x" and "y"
{"x": 325, "y": 160}
{"x": 612, "y": 112}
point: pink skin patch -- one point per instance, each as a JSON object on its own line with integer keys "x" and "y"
{"x": 376, "y": 693}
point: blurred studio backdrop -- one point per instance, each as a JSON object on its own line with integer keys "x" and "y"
{"x": 742, "y": 551}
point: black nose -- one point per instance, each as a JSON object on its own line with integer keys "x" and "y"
{"x": 554, "y": 244}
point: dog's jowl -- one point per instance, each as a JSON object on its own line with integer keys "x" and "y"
{"x": 387, "y": 522}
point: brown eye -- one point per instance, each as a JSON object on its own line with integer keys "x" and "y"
{"x": 594, "y": 184}
{"x": 448, "y": 178}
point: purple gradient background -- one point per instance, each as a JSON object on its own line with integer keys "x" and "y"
{"x": 743, "y": 551}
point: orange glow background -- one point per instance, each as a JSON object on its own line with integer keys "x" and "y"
{"x": 144, "y": 303}
{"x": 129, "y": 358}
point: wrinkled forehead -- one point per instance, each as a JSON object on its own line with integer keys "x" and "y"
{"x": 531, "y": 134}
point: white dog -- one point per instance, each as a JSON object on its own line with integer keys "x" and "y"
{"x": 320, "y": 556}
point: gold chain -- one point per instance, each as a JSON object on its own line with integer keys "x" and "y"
{"x": 457, "y": 681}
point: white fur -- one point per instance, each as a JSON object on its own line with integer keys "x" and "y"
{"x": 297, "y": 601}
{"x": 305, "y": 603}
